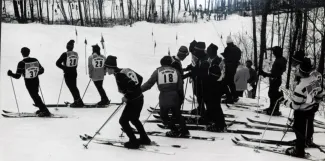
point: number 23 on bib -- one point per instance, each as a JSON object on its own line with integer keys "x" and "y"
{"x": 31, "y": 70}
{"x": 166, "y": 76}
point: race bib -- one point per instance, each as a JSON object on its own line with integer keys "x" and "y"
{"x": 312, "y": 90}
{"x": 31, "y": 70}
{"x": 166, "y": 76}
{"x": 72, "y": 59}
{"x": 98, "y": 62}
{"x": 133, "y": 77}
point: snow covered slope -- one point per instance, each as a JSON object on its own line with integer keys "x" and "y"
{"x": 41, "y": 139}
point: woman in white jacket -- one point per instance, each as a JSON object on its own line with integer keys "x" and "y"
{"x": 241, "y": 78}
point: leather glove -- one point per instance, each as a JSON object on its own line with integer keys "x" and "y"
{"x": 10, "y": 73}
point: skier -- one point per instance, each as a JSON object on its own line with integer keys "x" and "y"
{"x": 298, "y": 58}
{"x": 176, "y": 60}
{"x": 129, "y": 84}
{"x": 275, "y": 79}
{"x": 30, "y": 68}
{"x": 97, "y": 72}
{"x": 304, "y": 103}
{"x": 68, "y": 62}
{"x": 214, "y": 116}
{"x": 241, "y": 80}
{"x": 252, "y": 81}
{"x": 170, "y": 85}
{"x": 232, "y": 55}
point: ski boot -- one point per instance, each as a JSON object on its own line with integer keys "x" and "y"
{"x": 44, "y": 113}
{"x": 184, "y": 133}
{"x": 172, "y": 133}
{"x": 292, "y": 152}
{"x": 228, "y": 101}
{"x": 78, "y": 103}
{"x": 104, "y": 102}
{"x": 144, "y": 140}
{"x": 132, "y": 144}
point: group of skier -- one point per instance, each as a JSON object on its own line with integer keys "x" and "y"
{"x": 212, "y": 76}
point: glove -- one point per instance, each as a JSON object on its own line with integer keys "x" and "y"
{"x": 124, "y": 99}
{"x": 10, "y": 73}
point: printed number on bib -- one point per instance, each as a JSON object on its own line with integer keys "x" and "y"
{"x": 31, "y": 70}
{"x": 167, "y": 76}
{"x": 98, "y": 63}
{"x": 312, "y": 90}
{"x": 72, "y": 61}
{"x": 133, "y": 76}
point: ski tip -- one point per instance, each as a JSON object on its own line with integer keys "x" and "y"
{"x": 250, "y": 120}
{"x": 237, "y": 139}
{"x": 82, "y": 138}
{"x": 243, "y": 136}
{"x": 161, "y": 126}
{"x": 234, "y": 141}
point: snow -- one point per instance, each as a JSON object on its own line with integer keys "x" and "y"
{"x": 40, "y": 139}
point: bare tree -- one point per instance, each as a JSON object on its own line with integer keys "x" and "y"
{"x": 16, "y": 10}
{"x": 48, "y": 12}
{"x": 265, "y": 12}
{"x": 31, "y": 8}
{"x": 80, "y": 13}
{"x": 61, "y": 7}
{"x": 40, "y": 11}
{"x": 254, "y": 33}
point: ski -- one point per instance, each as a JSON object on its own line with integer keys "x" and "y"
{"x": 279, "y": 125}
{"x": 188, "y": 112}
{"x": 86, "y": 137}
{"x": 263, "y": 127}
{"x": 274, "y": 149}
{"x": 203, "y": 128}
{"x": 194, "y": 121}
{"x": 9, "y": 114}
{"x": 193, "y": 116}
{"x": 189, "y": 127}
{"x": 92, "y": 105}
{"x": 239, "y": 104}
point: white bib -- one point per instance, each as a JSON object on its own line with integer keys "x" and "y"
{"x": 167, "y": 75}
{"x": 98, "y": 62}
{"x": 31, "y": 70}
{"x": 72, "y": 59}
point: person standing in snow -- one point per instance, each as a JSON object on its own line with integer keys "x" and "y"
{"x": 129, "y": 84}
{"x": 304, "y": 103}
{"x": 298, "y": 58}
{"x": 252, "y": 81}
{"x": 176, "y": 60}
{"x": 68, "y": 62}
{"x": 232, "y": 56}
{"x": 97, "y": 72}
{"x": 30, "y": 68}
{"x": 170, "y": 85}
{"x": 212, "y": 87}
{"x": 241, "y": 80}
{"x": 275, "y": 79}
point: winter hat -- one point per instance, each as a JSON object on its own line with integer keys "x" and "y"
{"x": 96, "y": 49}
{"x": 229, "y": 40}
{"x": 70, "y": 44}
{"x": 166, "y": 60}
{"x": 305, "y": 67}
{"x": 277, "y": 51}
{"x": 249, "y": 63}
{"x": 212, "y": 50}
{"x": 25, "y": 51}
{"x": 111, "y": 61}
{"x": 182, "y": 52}
{"x": 200, "y": 46}
{"x": 192, "y": 45}
{"x": 298, "y": 56}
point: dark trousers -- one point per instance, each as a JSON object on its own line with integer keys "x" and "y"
{"x": 32, "y": 86}
{"x": 214, "y": 111}
{"x": 252, "y": 93}
{"x": 229, "y": 81}
{"x": 198, "y": 92}
{"x": 131, "y": 113}
{"x": 100, "y": 89}
{"x": 274, "y": 93}
{"x": 239, "y": 93}
{"x": 71, "y": 81}
{"x": 176, "y": 117}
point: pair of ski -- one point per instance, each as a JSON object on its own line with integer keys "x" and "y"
{"x": 236, "y": 104}
{"x": 87, "y": 105}
{"x": 119, "y": 143}
{"x": 274, "y": 149}
{"x": 190, "y": 120}
{"x": 280, "y": 125}
{"x": 10, "y": 114}
{"x": 185, "y": 113}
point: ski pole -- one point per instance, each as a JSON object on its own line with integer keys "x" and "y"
{"x": 285, "y": 132}
{"x": 85, "y": 90}
{"x": 259, "y": 94}
{"x": 97, "y": 132}
{"x": 13, "y": 88}
{"x": 185, "y": 92}
{"x": 277, "y": 101}
{"x": 41, "y": 93}
{"x": 57, "y": 103}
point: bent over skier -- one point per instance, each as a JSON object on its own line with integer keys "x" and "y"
{"x": 129, "y": 84}
{"x": 30, "y": 68}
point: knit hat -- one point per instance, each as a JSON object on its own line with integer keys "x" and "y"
{"x": 212, "y": 50}
{"x": 111, "y": 61}
{"x": 166, "y": 60}
{"x": 192, "y": 45}
{"x": 25, "y": 51}
{"x": 96, "y": 48}
{"x": 200, "y": 46}
{"x": 229, "y": 40}
{"x": 305, "y": 67}
{"x": 182, "y": 52}
{"x": 70, "y": 44}
{"x": 298, "y": 56}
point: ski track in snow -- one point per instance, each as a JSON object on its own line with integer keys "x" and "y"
{"x": 42, "y": 139}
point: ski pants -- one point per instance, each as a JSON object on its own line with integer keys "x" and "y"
{"x": 131, "y": 113}
{"x": 71, "y": 81}
{"x": 198, "y": 92}
{"x": 274, "y": 93}
{"x": 100, "y": 89}
{"x": 229, "y": 81}
{"x": 239, "y": 93}
{"x": 32, "y": 86}
{"x": 252, "y": 93}
{"x": 176, "y": 117}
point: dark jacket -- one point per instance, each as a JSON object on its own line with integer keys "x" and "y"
{"x": 278, "y": 68}
{"x": 177, "y": 64}
{"x": 31, "y": 66}
{"x": 232, "y": 54}
{"x": 68, "y": 62}
{"x": 129, "y": 83}
{"x": 253, "y": 77}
